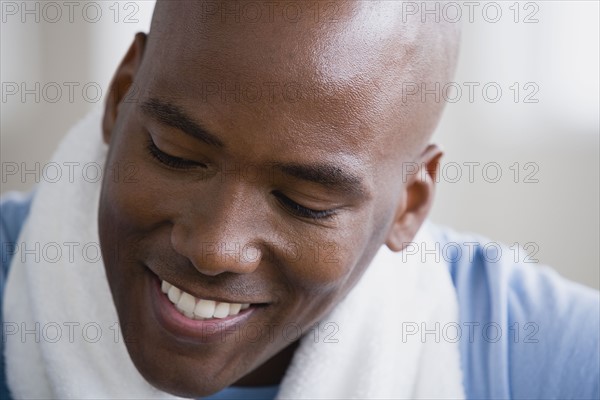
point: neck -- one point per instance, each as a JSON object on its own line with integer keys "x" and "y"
{"x": 272, "y": 371}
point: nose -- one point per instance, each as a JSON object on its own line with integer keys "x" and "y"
{"x": 222, "y": 234}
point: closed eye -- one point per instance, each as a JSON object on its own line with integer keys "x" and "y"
{"x": 169, "y": 160}
{"x": 301, "y": 211}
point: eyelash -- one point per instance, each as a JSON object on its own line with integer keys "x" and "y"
{"x": 169, "y": 160}
{"x": 302, "y": 211}
{"x": 182, "y": 163}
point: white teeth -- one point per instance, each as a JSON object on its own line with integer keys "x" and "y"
{"x": 194, "y": 308}
{"x": 186, "y": 303}
{"x": 205, "y": 309}
{"x": 174, "y": 294}
{"x": 235, "y": 308}
{"x": 221, "y": 310}
{"x": 165, "y": 287}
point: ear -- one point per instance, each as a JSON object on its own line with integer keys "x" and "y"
{"x": 121, "y": 83}
{"x": 416, "y": 201}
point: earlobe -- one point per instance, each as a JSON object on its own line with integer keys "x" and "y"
{"x": 121, "y": 83}
{"x": 416, "y": 201}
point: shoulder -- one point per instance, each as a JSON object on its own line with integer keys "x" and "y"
{"x": 14, "y": 209}
{"x": 531, "y": 333}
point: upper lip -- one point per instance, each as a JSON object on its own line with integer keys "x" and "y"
{"x": 206, "y": 296}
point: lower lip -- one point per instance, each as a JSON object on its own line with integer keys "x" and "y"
{"x": 200, "y": 331}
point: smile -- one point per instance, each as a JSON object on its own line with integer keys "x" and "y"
{"x": 200, "y": 320}
{"x": 199, "y": 309}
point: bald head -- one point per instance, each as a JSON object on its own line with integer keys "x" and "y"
{"x": 345, "y": 54}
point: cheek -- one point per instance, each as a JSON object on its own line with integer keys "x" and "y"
{"x": 322, "y": 278}
{"x": 133, "y": 197}
{"x": 328, "y": 263}
{"x": 341, "y": 262}
{"x": 320, "y": 264}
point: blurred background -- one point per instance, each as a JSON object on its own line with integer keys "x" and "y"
{"x": 520, "y": 132}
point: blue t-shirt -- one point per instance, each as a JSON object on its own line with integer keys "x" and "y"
{"x": 524, "y": 331}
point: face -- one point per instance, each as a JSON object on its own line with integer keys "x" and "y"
{"x": 259, "y": 181}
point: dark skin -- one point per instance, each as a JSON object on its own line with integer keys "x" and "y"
{"x": 325, "y": 176}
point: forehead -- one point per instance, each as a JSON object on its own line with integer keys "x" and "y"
{"x": 321, "y": 84}
{"x": 364, "y": 45}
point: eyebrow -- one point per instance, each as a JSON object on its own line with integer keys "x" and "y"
{"x": 175, "y": 117}
{"x": 328, "y": 175}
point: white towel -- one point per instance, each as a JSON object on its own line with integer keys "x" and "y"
{"x": 61, "y": 326}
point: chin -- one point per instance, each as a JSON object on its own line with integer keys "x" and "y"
{"x": 170, "y": 356}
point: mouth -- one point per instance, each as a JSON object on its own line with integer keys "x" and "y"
{"x": 200, "y": 309}
{"x": 200, "y": 320}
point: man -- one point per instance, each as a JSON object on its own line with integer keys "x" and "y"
{"x": 267, "y": 165}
